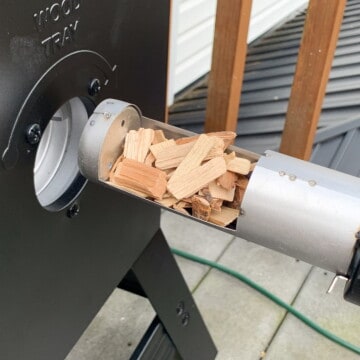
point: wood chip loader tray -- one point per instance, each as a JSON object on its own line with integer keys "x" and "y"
{"x": 297, "y": 208}
{"x": 200, "y": 176}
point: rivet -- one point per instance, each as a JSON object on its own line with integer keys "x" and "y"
{"x": 312, "y": 182}
{"x": 292, "y": 177}
{"x": 282, "y": 173}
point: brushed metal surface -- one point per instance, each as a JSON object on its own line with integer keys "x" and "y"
{"x": 302, "y": 210}
{"x": 103, "y": 136}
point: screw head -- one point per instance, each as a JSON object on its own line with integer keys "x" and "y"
{"x": 185, "y": 319}
{"x": 73, "y": 211}
{"x": 107, "y": 115}
{"x": 33, "y": 134}
{"x": 94, "y": 87}
{"x": 180, "y": 308}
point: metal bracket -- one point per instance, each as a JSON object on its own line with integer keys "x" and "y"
{"x": 156, "y": 273}
{"x": 352, "y": 287}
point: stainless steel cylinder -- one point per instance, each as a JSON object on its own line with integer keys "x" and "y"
{"x": 303, "y": 210}
{"x": 102, "y": 138}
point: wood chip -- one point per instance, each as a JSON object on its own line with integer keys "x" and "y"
{"x": 172, "y": 156}
{"x": 137, "y": 144}
{"x": 186, "y": 140}
{"x": 131, "y": 144}
{"x": 141, "y": 177}
{"x": 157, "y": 148}
{"x": 198, "y": 178}
{"x": 127, "y": 189}
{"x": 227, "y": 137}
{"x": 239, "y": 166}
{"x": 219, "y": 192}
{"x": 117, "y": 162}
{"x": 230, "y": 156}
{"x": 194, "y": 157}
{"x": 146, "y": 137}
{"x": 184, "y": 204}
{"x": 169, "y": 174}
{"x": 191, "y": 175}
{"x": 205, "y": 192}
{"x": 158, "y": 137}
{"x": 187, "y": 200}
{"x": 168, "y": 202}
{"x": 215, "y": 204}
{"x": 227, "y": 181}
{"x": 216, "y": 150}
{"x": 238, "y": 197}
{"x": 201, "y": 208}
{"x": 181, "y": 209}
{"x": 150, "y": 159}
{"x": 225, "y": 217}
{"x": 242, "y": 182}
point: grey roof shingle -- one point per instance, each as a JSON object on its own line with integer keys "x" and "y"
{"x": 269, "y": 71}
{"x": 338, "y": 147}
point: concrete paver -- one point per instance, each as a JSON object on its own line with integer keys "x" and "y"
{"x": 241, "y": 321}
{"x": 116, "y": 330}
{"x": 196, "y": 238}
{"x": 296, "y": 341}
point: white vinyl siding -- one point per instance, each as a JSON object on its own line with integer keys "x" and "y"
{"x": 193, "y": 30}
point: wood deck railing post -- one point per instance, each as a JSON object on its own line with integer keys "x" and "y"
{"x": 318, "y": 45}
{"x": 228, "y": 62}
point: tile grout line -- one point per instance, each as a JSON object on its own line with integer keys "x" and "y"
{"x": 286, "y": 314}
{"x": 209, "y": 268}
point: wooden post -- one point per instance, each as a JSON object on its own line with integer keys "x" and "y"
{"x": 228, "y": 62}
{"x": 318, "y": 44}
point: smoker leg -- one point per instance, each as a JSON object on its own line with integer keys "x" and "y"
{"x": 156, "y": 344}
{"x": 160, "y": 278}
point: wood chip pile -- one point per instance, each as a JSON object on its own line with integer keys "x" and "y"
{"x": 193, "y": 175}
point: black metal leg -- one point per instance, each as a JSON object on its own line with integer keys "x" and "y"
{"x": 156, "y": 344}
{"x": 160, "y": 278}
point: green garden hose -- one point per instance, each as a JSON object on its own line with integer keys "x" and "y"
{"x": 307, "y": 321}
